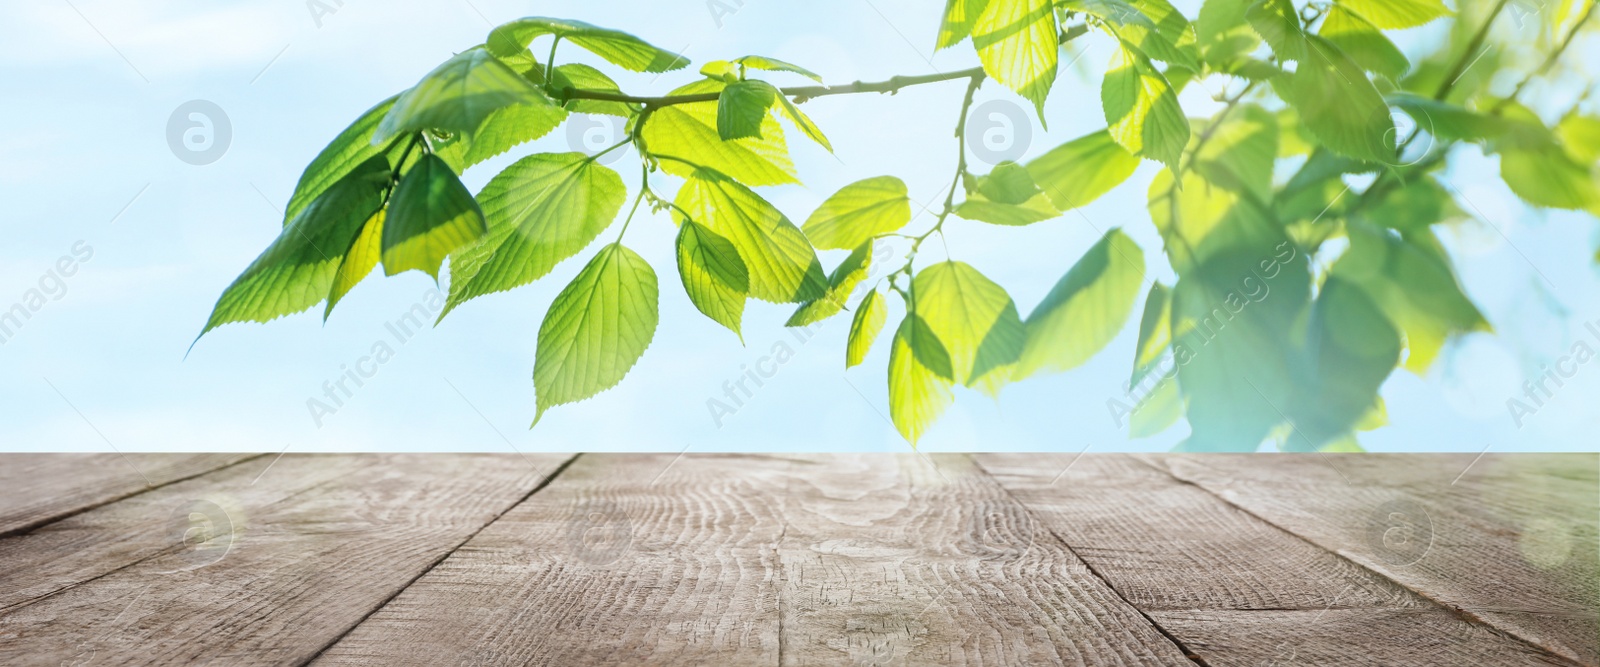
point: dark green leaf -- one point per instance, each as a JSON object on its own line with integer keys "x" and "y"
{"x": 431, "y": 214}
{"x": 458, "y": 95}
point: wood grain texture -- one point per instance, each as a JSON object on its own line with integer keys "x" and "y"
{"x": 36, "y": 489}
{"x": 238, "y": 570}
{"x": 1507, "y": 539}
{"x": 908, "y": 560}
{"x": 623, "y": 560}
{"x": 1235, "y": 590}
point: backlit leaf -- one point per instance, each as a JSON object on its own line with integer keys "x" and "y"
{"x": 358, "y": 262}
{"x": 617, "y": 47}
{"x": 542, "y": 209}
{"x": 858, "y": 212}
{"x": 713, "y": 274}
{"x": 686, "y": 137}
{"x": 1393, "y": 14}
{"x": 351, "y": 148}
{"x": 1018, "y": 45}
{"x": 458, "y": 95}
{"x": 596, "y": 329}
{"x": 1363, "y": 42}
{"x": 959, "y": 17}
{"x": 1278, "y": 23}
{"x": 742, "y": 107}
{"x": 919, "y": 378}
{"x": 1080, "y": 171}
{"x": 841, "y": 283}
{"x": 431, "y": 214}
{"x": 1155, "y": 331}
{"x": 1142, "y": 109}
{"x": 974, "y": 318}
{"x": 864, "y": 328}
{"x": 775, "y": 65}
{"x": 1350, "y": 349}
{"x": 1085, "y": 309}
{"x": 297, "y": 271}
{"x": 1339, "y": 104}
{"x": 782, "y": 265}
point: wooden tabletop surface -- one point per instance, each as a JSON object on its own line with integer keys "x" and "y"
{"x": 789, "y": 559}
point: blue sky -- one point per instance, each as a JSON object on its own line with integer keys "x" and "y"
{"x": 91, "y": 85}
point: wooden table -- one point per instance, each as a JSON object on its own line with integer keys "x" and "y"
{"x": 941, "y": 559}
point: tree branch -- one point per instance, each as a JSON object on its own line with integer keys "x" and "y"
{"x": 799, "y": 93}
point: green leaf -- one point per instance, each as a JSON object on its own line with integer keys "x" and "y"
{"x": 1410, "y": 279}
{"x": 685, "y": 137}
{"x": 1364, "y": 43}
{"x": 1232, "y": 321}
{"x": 579, "y": 76}
{"x": 507, "y": 128}
{"x": 1154, "y": 27}
{"x": 1007, "y": 183}
{"x": 542, "y": 209}
{"x": 1278, "y": 23}
{"x": 1085, "y": 309}
{"x": 1142, "y": 108}
{"x": 1203, "y": 218}
{"x": 803, "y": 122}
{"x": 841, "y": 283}
{"x": 713, "y": 274}
{"x": 297, "y": 271}
{"x": 1414, "y": 207}
{"x": 1339, "y": 104}
{"x": 977, "y": 207}
{"x": 864, "y": 327}
{"x": 1242, "y": 152}
{"x": 1157, "y": 412}
{"x": 959, "y": 17}
{"x": 1222, "y": 32}
{"x": 431, "y": 214}
{"x": 1155, "y": 331}
{"x": 358, "y": 262}
{"x": 1018, "y": 45}
{"x": 919, "y": 378}
{"x": 596, "y": 329}
{"x": 1394, "y": 14}
{"x": 783, "y": 267}
{"x": 458, "y": 95}
{"x": 1080, "y": 171}
{"x": 1581, "y": 137}
{"x": 975, "y": 320}
{"x": 742, "y": 107}
{"x": 1548, "y": 176}
{"x": 350, "y": 149}
{"x": 617, "y": 47}
{"x": 858, "y": 212}
{"x": 775, "y": 65}
{"x": 1349, "y": 351}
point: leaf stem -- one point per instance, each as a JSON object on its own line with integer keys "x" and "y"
{"x": 550, "y": 63}
{"x": 950, "y": 193}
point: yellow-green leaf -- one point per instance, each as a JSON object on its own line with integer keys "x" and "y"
{"x": 1018, "y": 46}
{"x": 713, "y": 274}
{"x": 351, "y": 148}
{"x": 1363, "y": 42}
{"x": 596, "y": 329}
{"x": 685, "y": 137}
{"x": 1085, "y": 309}
{"x": 297, "y": 271}
{"x": 1548, "y": 176}
{"x": 617, "y": 47}
{"x": 458, "y": 95}
{"x": 358, "y": 262}
{"x": 975, "y": 320}
{"x": 1142, "y": 108}
{"x": 1393, "y": 14}
{"x": 1155, "y": 331}
{"x": 783, "y": 267}
{"x": 841, "y": 283}
{"x": 959, "y": 17}
{"x": 1339, "y": 104}
{"x": 1080, "y": 171}
{"x": 542, "y": 209}
{"x": 919, "y": 378}
{"x": 431, "y": 214}
{"x": 864, "y": 328}
{"x": 858, "y": 212}
{"x": 774, "y": 65}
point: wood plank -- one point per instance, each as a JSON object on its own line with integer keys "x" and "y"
{"x": 909, "y": 560}
{"x": 1235, "y": 590}
{"x": 1509, "y": 539}
{"x": 752, "y": 560}
{"x": 36, "y": 489}
{"x": 624, "y": 559}
{"x": 237, "y": 570}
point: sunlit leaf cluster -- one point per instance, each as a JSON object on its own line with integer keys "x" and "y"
{"x": 1298, "y": 209}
